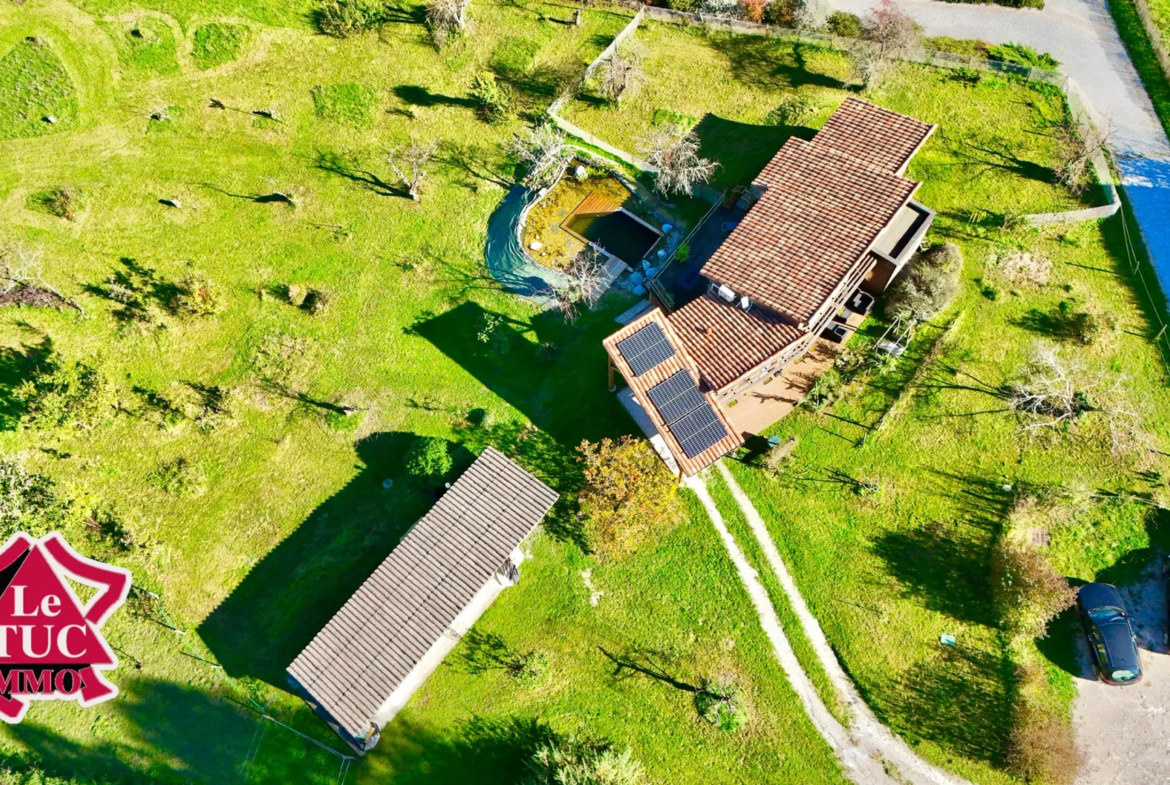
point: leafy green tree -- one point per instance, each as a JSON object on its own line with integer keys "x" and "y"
{"x": 572, "y": 761}
{"x": 929, "y": 284}
{"x": 429, "y": 458}
{"x": 493, "y": 99}
{"x": 71, "y": 394}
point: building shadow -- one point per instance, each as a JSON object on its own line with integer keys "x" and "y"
{"x": 742, "y": 149}
{"x": 290, "y": 594}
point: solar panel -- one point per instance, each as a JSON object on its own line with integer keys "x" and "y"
{"x": 687, "y": 413}
{"x": 646, "y": 349}
{"x": 676, "y": 397}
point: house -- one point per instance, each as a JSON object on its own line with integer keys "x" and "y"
{"x": 829, "y": 224}
{"x": 372, "y": 656}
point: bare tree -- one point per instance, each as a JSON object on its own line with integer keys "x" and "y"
{"x": 813, "y": 14}
{"x": 582, "y": 287}
{"x": 888, "y": 26}
{"x": 543, "y": 152}
{"x": 1078, "y": 150}
{"x": 414, "y": 157}
{"x": 1055, "y": 391}
{"x": 622, "y": 72}
{"x": 674, "y": 152}
{"x": 446, "y": 19}
{"x": 20, "y": 269}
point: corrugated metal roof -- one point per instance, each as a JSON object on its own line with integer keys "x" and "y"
{"x": 369, "y": 646}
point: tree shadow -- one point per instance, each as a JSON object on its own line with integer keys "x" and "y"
{"x": 290, "y": 594}
{"x": 985, "y": 155}
{"x": 474, "y": 161}
{"x": 638, "y": 661}
{"x": 742, "y": 149}
{"x": 336, "y": 164}
{"x": 274, "y": 197}
{"x": 758, "y": 61}
{"x": 961, "y": 700}
{"x": 134, "y": 288}
{"x": 416, "y": 95}
{"x": 19, "y": 364}
{"x": 1058, "y": 323}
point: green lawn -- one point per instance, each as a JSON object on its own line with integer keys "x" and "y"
{"x": 34, "y": 86}
{"x": 888, "y": 571}
{"x": 1141, "y": 53}
{"x": 255, "y": 529}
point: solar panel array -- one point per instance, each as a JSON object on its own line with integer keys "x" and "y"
{"x": 687, "y": 413}
{"x": 646, "y": 349}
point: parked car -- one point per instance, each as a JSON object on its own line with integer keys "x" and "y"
{"x": 1111, "y": 639}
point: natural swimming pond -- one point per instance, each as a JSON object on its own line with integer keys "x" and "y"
{"x": 617, "y": 232}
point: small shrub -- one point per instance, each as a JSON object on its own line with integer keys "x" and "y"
{"x": 179, "y": 477}
{"x": 572, "y": 761}
{"x": 683, "y": 252}
{"x": 295, "y": 294}
{"x": 218, "y": 43}
{"x": 344, "y": 421}
{"x": 62, "y": 202}
{"x": 344, "y": 104}
{"x": 753, "y": 10}
{"x": 844, "y": 24}
{"x": 778, "y": 456}
{"x": 1043, "y": 747}
{"x": 1021, "y": 54}
{"x": 628, "y": 495}
{"x": 792, "y": 110}
{"x": 1026, "y": 590}
{"x": 718, "y": 702}
{"x": 929, "y": 285}
{"x": 316, "y": 301}
{"x": 494, "y": 100}
{"x": 343, "y": 18}
{"x": 428, "y": 459}
{"x": 70, "y": 394}
{"x": 533, "y": 671}
{"x": 965, "y": 47}
{"x": 195, "y": 296}
{"x": 28, "y": 502}
{"x": 825, "y": 390}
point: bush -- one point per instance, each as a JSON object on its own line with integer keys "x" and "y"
{"x": 27, "y": 501}
{"x": 494, "y": 100}
{"x": 1026, "y": 590}
{"x": 718, "y": 702}
{"x": 1021, "y": 54}
{"x": 628, "y": 494}
{"x": 965, "y": 47}
{"x": 63, "y": 202}
{"x": 428, "y": 458}
{"x": 571, "y": 761}
{"x": 792, "y": 110}
{"x": 928, "y": 285}
{"x": 344, "y": 422}
{"x": 845, "y": 24}
{"x": 781, "y": 13}
{"x": 195, "y": 296}
{"x": 1043, "y": 747}
{"x": 343, "y": 18}
{"x": 753, "y": 10}
{"x": 533, "y": 671}
{"x": 70, "y": 394}
{"x": 179, "y": 477}
{"x": 316, "y": 301}
{"x": 686, "y": 6}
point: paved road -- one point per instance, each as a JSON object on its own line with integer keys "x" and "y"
{"x": 1125, "y": 731}
{"x": 1081, "y": 34}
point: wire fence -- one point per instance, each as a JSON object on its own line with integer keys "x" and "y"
{"x": 1154, "y": 34}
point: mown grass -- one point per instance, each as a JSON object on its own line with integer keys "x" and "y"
{"x": 347, "y": 104}
{"x": 256, "y": 530}
{"x": 888, "y": 571}
{"x": 217, "y": 43}
{"x": 1143, "y": 57}
{"x": 146, "y": 44}
{"x": 34, "y": 86}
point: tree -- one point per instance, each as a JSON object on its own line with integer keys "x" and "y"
{"x": 813, "y": 14}
{"x": 628, "y": 494}
{"x": 1077, "y": 152}
{"x": 543, "y": 152}
{"x": 414, "y": 157}
{"x": 622, "y": 72}
{"x": 1027, "y": 591}
{"x": 27, "y": 501}
{"x": 446, "y": 19}
{"x": 494, "y": 100}
{"x": 428, "y": 459}
{"x": 674, "y": 152}
{"x": 343, "y": 18}
{"x": 20, "y": 273}
{"x": 70, "y": 394}
{"x": 582, "y": 285}
{"x": 888, "y": 26}
{"x": 573, "y": 761}
{"x": 928, "y": 285}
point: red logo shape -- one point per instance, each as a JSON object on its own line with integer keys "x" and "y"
{"x": 51, "y": 646}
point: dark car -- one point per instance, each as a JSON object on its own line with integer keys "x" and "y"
{"x": 1111, "y": 638}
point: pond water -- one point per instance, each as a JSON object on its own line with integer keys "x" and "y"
{"x": 617, "y": 232}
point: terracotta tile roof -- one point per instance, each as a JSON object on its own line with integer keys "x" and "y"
{"x": 727, "y": 341}
{"x": 365, "y": 651}
{"x": 814, "y": 223}
{"x": 641, "y": 386}
{"x": 873, "y": 136}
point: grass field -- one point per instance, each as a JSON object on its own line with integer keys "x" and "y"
{"x": 1145, "y": 60}
{"x": 889, "y": 528}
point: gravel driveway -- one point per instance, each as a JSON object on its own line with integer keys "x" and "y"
{"x": 1125, "y": 731}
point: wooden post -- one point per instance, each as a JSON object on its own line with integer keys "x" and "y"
{"x": 612, "y": 385}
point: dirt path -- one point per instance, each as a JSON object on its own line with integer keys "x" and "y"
{"x": 867, "y": 730}
{"x": 1125, "y": 731}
